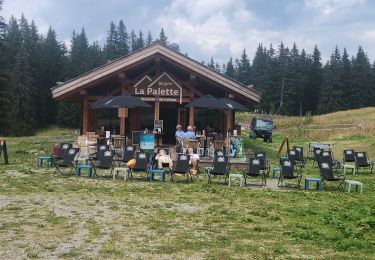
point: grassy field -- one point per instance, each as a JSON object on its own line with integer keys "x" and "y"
{"x": 46, "y": 216}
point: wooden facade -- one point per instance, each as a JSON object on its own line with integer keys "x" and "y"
{"x": 161, "y": 76}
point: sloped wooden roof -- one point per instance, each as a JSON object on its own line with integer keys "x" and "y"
{"x": 137, "y": 57}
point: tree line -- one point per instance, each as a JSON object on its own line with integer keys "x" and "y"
{"x": 292, "y": 82}
{"x": 32, "y": 63}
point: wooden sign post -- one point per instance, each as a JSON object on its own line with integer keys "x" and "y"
{"x": 122, "y": 114}
{"x": 3, "y": 150}
{"x": 285, "y": 141}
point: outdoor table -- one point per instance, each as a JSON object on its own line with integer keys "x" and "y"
{"x": 348, "y": 166}
{"x": 238, "y": 176}
{"x": 88, "y": 167}
{"x": 117, "y": 170}
{"x": 317, "y": 180}
{"x": 41, "y": 159}
{"x": 357, "y": 185}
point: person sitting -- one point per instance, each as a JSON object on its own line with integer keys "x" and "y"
{"x": 163, "y": 160}
{"x": 194, "y": 158}
{"x": 190, "y": 133}
{"x": 179, "y": 133}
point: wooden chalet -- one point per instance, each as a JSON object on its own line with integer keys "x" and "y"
{"x": 163, "y": 77}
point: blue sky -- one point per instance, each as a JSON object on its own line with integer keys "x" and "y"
{"x": 218, "y": 28}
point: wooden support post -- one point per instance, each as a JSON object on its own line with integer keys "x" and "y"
{"x": 191, "y": 116}
{"x": 157, "y": 110}
{"x": 85, "y": 115}
{"x": 229, "y": 120}
{"x": 122, "y": 126}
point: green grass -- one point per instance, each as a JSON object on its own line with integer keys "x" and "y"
{"x": 45, "y": 216}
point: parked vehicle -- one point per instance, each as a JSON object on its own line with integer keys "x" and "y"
{"x": 261, "y": 127}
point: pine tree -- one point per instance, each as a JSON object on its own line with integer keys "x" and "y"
{"x": 211, "y": 64}
{"x": 315, "y": 79}
{"x": 133, "y": 39}
{"x": 346, "y": 81}
{"x": 162, "y": 37}
{"x": 95, "y": 56}
{"x": 331, "y": 90}
{"x": 244, "y": 69}
{"x": 52, "y": 70}
{"x": 111, "y": 47}
{"x": 140, "y": 41}
{"x": 149, "y": 38}
{"x": 79, "y": 54}
{"x": 217, "y": 67}
{"x": 230, "y": 69}
{"x": 123, "y": 39}
{"x": 363, "y": 91}
{"x": 4, "y": 101}
{"x": 23, "y": 114}
{"x": 70, "y": 114}
{"x": 13, "y": 39}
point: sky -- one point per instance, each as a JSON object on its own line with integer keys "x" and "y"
{"x": 214, "y": 28}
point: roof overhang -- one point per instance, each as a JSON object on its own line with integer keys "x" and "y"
{"x": 143, "y": 54}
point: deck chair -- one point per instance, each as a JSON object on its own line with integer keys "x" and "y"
{"x": 264, "y": 165}
{"x": 317, "y": 152}
{"x": 128, "y": 153}
{"x": 219, "y": 153}
{"x": 182, "y": 166}
{"x": 253, "y": 170}
{"x": 59, "y": 153}
{"x": 348, "y": 156}
{"x": 99, "y": 148}
{"x": 292, "y": 156}
{"x": 105, "y": 161}
{"x": 327, "y": 174}
{"x": 288, "y": 172}
{"x": 299, "y": 155}
{"x": 362, "y": 161}
{"x": 327, "y": 157}
{"x": 142, "y": 161}
{"x": 220, "y": 166}
{"x": 67, "y": 160}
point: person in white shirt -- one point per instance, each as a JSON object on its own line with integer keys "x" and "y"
{"x": 194, "y": 158}
{"x": 163, "y": 159}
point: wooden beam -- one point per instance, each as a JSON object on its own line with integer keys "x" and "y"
{"x": 85, "y": 115}
{"x": 191, "y": 116}
{"x": 122, "y": 126}
{"x": 157, "y": 110}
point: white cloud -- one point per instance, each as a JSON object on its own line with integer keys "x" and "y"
{"x": 329, "y": 6}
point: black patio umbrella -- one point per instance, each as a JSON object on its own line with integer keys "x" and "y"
{"x": 122, "y": 101}
{"x": 233, "y": 105}
{"x": 208, "y": 102}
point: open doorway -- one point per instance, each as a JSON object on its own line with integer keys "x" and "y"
{"x": 169, "y": 115}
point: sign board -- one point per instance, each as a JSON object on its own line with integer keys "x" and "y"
{"x": 165, "y": 88}
{"x": 158, "y": 124}
{"x": 147, "y": 142}
{"x": 122, "y": 112}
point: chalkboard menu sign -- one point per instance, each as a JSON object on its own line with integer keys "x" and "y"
{"x": 158, "y": 126}
{"x": 147, "y": 142}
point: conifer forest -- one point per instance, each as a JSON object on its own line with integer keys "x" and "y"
{"x": 292, "y": 81}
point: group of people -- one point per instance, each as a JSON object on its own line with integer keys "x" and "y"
{"x": 189, "y": 134}
{"x": 164, "y": 160}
